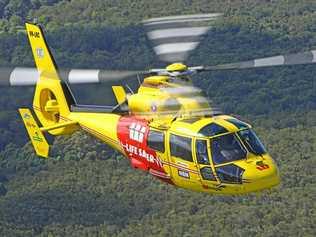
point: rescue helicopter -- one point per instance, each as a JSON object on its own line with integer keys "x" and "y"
{"x": 168, "y": 128}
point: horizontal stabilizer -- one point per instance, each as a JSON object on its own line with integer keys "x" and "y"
{"x": 38, "y": 139}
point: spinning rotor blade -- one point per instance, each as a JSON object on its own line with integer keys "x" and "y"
{"x": 291, "y": 59}
{"x": 175, "y": 37}
{"x": 21, "y": 76}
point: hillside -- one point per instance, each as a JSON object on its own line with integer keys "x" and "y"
{"x": 85, "y": 189}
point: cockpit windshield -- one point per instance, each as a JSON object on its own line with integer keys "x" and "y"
{"x": 227, "y": 148}
{"x": 252, "y": 142}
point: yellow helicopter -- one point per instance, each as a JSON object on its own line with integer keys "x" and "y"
{"x": 167, "y": 128}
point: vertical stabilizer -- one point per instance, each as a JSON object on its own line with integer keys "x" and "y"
{"x": 53, "y": 98}
{"x": 43, "y": 58}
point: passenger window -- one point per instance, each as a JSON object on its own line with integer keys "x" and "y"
{"x": 156, "y": 141}
{"x": 207, "y": 174}
{"x": 230, "y": 174}
{"x": 201, "y": 152}
{"x": 180, "y": 147}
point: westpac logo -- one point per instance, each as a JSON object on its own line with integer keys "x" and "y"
{"x": 40, "y": 52}
{"x": 137, "y": 132}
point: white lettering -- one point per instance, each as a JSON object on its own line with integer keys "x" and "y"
{"x": 141, "y": 153}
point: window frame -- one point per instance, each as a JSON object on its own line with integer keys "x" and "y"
{"x": 207, "y": 152}
{"x": 190, "y": 147}
{"x": 214, "y": 179}
{"x": 239, "y": 179}
{"x": 240, "y": 143}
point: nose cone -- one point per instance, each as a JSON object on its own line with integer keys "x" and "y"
{"x": 261, "y": 173}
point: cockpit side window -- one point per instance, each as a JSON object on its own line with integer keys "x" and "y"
{"x": 239, "y": 124}
{"x": 212, "y": 129}
{"x": 180, "y": 147}
{"x": 227, "y": 148}
{"x": 156, "y": 140}
{"x": 230, "y": 173}
{"x": 207, "y": 174}
{"x": 201, "y": 152}
{"x": 252, "y": 142}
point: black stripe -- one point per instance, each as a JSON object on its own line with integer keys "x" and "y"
{"x": 174, "y": 57}
{"x": 64, "y": 74}
{"x": 5, "y": 74}
{"x": 240, "y": 65}
{"x": 68, "y": 94}
{"x": 66, "y": 89}
{"x": 300, "y": 58}
{"x": 175, "y": 25}
{"x": 48, "y": 49}
{"x": 205, "y": 17}
{"x": 172, "y": 40}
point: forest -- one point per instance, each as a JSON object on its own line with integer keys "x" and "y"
{"x": 86, "y": 189}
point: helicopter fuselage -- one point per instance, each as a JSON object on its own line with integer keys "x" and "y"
{"x": 202, "y": 153}
{"x": 174, "y": 154}
{"x": 167, "y": 129}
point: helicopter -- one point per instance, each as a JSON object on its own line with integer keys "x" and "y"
{"x": 168, "y": 127}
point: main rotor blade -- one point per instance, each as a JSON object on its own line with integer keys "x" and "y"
{"x": 281, "y": 60}
{"x": 175, "y": 37}
{"x": 22, "y": 76}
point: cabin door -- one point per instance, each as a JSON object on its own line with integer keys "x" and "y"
{"x": 204, "y": 163}
{"x": 182, "y": 165}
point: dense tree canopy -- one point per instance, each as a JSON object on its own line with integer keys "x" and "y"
{"x": 86, "y": 189}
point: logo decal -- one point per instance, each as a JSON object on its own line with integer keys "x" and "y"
{"x": 40, "y": 53}
{"x": 30, "y": 125}
{"x": 261, "y": 166}
{"x": 137, "y": 132}
{"x": 132, "y": 133}
{"x": 184, "y": 174}
{"x": 37, "y": 138}
{"x": 26, "y": 116}
{"x": 154, "y": 107}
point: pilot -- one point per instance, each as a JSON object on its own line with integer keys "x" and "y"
{"x": 225, "y": 149}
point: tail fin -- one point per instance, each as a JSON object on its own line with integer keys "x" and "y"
{"x": 53, "y": 98}
{"x": 43, "y": 58}
{"x": 36, "y": 135}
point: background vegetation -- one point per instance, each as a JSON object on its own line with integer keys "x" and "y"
{"x": 87, "y": 190}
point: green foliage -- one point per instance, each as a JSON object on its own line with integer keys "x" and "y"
{"x": 86, "y": 189}
{"x": 77, "y": 195}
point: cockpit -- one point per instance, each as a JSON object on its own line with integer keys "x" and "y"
{"x": 222, "y": 148}
{"x": 230, "y": 147}
{"x": 219, "y": 151}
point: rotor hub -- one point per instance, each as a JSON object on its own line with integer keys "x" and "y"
{"x": 177, "y": 67}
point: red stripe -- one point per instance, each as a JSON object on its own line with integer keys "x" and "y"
{"x": 180, "y": 167}
{"x": 159, "y": 174}
{"x": 113, "y": 141}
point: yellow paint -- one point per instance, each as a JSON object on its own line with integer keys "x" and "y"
{"x": 177, "y": 67}
{"x": 38, "y": 139}
{"x": 151, "y": 102}
{"x": 120, "y": 94}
